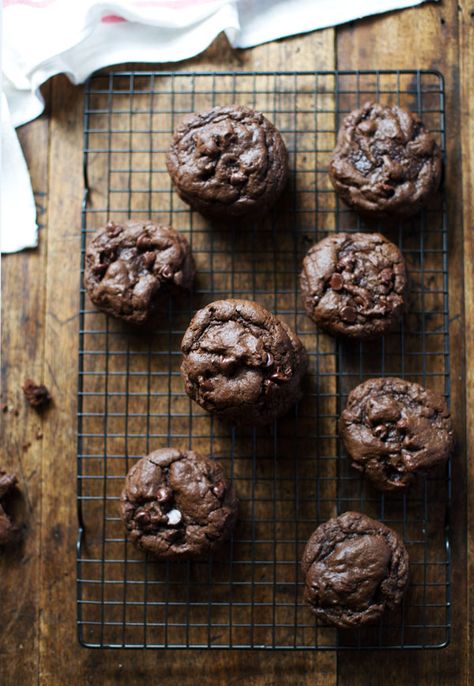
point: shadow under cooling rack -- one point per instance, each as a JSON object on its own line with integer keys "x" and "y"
{"x": 293, "y": 475}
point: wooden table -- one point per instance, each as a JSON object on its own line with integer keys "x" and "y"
{"x": 40, "y": 322}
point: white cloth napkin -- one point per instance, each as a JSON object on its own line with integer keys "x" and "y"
{"x": 45, "y": 37}
{"x": 17, "y": 203}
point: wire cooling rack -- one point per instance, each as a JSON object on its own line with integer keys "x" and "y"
{"x": 290, "y": 476}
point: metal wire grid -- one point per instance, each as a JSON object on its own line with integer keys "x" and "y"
{"x": 293, "y": 475}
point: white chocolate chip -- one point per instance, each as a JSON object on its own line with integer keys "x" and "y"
{"x": 174, "y": 517}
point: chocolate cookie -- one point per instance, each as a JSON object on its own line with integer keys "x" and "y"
{"x": 178, "y": 504}
{"x": 386, "y": 163}
{"x": 393, "y": 429}
{"x": 355, "y": 568}
{"x": 8, "y": 531}
{"x": 129, "y": 266}
{"x": 241, "y": 362}
{"x": 353, "y": 284}
{"x": 228, "y": 162}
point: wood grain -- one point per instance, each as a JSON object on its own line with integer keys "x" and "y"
{"x": 466, "y": 43}
{"x": 21, "y": 427}
{"x": 434, "y": 32}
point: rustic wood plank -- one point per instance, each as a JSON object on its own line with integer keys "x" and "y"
{"x": 433, "y": 29}
{"x": 60, "y": 655}
{"x": 58, "y": 527}
{"x": 21, "y": 427}
{"x": 466, "y": 50}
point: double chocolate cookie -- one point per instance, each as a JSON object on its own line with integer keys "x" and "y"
{"x": 8, "y": 531}
{"x": 228, "y": 162}
{"x": 178, "y": 504}
{"x": 355, "y": 568}
{"x": 353, "y": 284}
{"x": 242, "y": 363}
{"x": 386, "y": 163}
{"x": 129, "y": 266}
{"x": 393, "y": 429}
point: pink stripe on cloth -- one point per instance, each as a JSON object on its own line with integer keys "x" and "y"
{"x": 29, "y": 3}
{"x": 112, "y": 19}
{"x": 164, "y": 4}
{"x": 172, "y": 4}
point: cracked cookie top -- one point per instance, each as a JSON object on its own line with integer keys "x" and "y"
{"x": 353, "y": 284}
{"x": 393, "y": 429}
{"x": 178, "y": 504}
{"x": 228, "y": 162}
{"x": 241, "y": 362}
{"x": 385, "y": 163}
{"x": 129, "y": 266}
{"x": 355, "y": 568}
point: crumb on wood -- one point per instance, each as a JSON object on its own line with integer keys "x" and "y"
{"x": 4, "y": 407}
{"x": 37, "y": 395}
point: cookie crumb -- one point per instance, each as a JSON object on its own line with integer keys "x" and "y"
{"x": 37, "y": 396}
